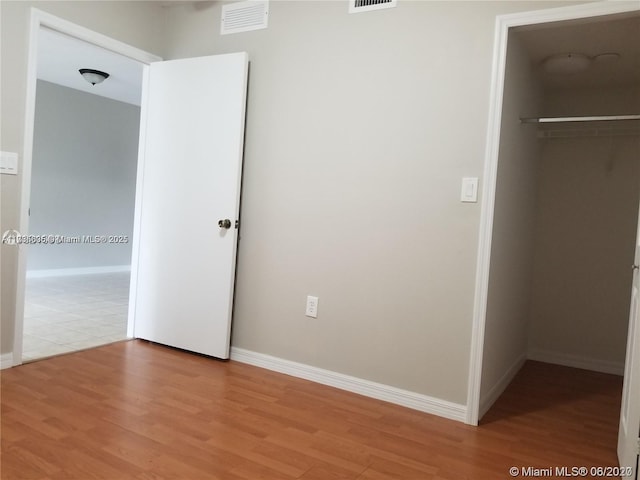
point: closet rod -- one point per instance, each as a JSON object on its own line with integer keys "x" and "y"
{"x": 579, "y": 119}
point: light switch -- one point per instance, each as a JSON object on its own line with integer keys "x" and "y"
{"x": 469, "y": 191}
{"x": 9, "y": 163}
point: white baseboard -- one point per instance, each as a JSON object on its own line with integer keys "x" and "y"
{"x": 367, "y": 388}
{"x": 497, "y": 390}
{"x": 6, "y": 360}
{"x": 576, "y": 361}
{"x": 66, "y": 272}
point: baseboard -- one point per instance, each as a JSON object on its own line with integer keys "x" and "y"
{"x": 66, "y": 272}
{"x": 6, "y": 360}
{"x": 576, "y": 361}
{"x": 497, "y": 390}
{"x": 405, "y": 398}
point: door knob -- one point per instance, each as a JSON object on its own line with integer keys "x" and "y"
{"x": 226, "y": 223}
{"x": 635, "y": 267}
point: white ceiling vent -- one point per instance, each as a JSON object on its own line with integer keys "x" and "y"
{"x": 357, "y": 6}
{"x": 244, "y": 16}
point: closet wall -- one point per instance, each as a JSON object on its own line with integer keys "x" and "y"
{"x": 586, "y": 216}
{"x": 507, "y": 318}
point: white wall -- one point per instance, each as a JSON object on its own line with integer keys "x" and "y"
{"x": 359, "y": 129}
{"x": 508, "y": 301}
{"x": 585, "y": 235}
{"x": 83, "y": 180}
{"x": 137, "y": 23}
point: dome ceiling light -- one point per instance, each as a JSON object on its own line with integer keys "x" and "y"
{"x": 570, "y": 63}
{"x": 93, "y": 76}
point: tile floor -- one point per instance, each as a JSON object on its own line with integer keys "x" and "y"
{"x": 65, "y": 314}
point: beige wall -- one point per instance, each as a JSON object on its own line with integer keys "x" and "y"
{"x": 137, "y": 23}
{"x": 359, "y": 130}
{"x": 585, "y": 234}
{"x": 509, "y": 293}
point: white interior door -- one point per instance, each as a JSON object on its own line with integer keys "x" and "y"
{"x": 191, "y": 141}
{"x": 629, "y": 433}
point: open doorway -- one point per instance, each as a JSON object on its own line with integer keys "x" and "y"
{"x": 76, "y": 180}
{"x": 83, "y": 183}
{"x": 566, "y": 200}
{"x": 510, "y": 241}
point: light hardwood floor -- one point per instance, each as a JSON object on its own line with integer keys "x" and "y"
{"x": 135, "y": 410}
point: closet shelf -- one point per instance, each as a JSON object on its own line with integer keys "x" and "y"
{"x": 595, "y": 118}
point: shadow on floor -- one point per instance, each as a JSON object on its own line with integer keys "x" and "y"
{"x": 543, "y": 387}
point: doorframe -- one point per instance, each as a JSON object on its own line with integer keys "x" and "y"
{"x": 38, "y": 19}
{"x": 501, "y": 36}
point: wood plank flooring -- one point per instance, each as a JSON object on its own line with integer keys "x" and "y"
{"x": 135, "y": 410}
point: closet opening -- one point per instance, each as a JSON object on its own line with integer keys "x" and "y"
{"x": 564, "y": 227}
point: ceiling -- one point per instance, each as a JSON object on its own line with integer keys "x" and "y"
{"x": 61, "y": 56}
{"x": 593, "y": 36}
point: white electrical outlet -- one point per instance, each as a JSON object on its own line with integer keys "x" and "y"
{"x": 312, "y": 307}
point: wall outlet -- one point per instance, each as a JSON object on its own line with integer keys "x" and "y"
{"x": 312, "y": 307}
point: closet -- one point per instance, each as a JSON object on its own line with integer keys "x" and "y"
{"x": 586, "y": 214}
{"x": 567, "y": 197}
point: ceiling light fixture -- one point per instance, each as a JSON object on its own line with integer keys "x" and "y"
{"x": 566, "y": 63}
{"x": 606, "y": 57}
{"x": 93, "y": 76}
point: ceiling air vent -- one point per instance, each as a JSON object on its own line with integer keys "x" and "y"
{"x": 244, "y": 16}
{"x": 357, "y": 6}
